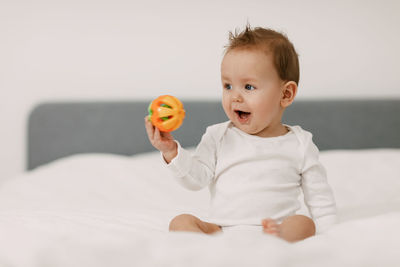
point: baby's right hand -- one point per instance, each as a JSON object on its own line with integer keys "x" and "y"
{"x": 163, "y": 141}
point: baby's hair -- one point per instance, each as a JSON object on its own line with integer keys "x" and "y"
{"x": 285, "y": 58}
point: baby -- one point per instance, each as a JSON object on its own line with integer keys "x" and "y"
{"x": 254, "y": 165}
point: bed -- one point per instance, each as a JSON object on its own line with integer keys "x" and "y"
{"x": 94, "y": 193}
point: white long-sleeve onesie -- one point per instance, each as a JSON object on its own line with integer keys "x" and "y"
{"x": 251, "y": 178}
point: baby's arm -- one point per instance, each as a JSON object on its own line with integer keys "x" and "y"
{"x": 191, "y": 171}
{"x": 318, "y": 195}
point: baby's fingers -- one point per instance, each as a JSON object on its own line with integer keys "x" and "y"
{"x": 166, "y": 135}
{"x": 157, "y": 135}
{"x": 149, "y": 128}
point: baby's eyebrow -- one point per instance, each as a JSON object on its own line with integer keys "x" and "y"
{"x": 242, "y": 79}
{"x": 248, "y": 79}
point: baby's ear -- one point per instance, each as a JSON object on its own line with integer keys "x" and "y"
{"x": 289, "y": 91}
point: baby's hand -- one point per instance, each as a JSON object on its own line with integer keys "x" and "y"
{"x": 163, "y": 141}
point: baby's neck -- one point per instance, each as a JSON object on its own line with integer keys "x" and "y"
{"x": 274, "y": 132}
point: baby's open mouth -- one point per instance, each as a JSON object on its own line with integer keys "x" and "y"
{"x": 243, "y": 115}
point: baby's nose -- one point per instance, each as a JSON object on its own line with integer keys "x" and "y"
{"x": 237, "y": 97}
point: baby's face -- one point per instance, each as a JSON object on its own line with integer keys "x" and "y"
{"x": 252, "y": 92}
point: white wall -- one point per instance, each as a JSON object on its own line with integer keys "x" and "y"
{"x": 115, "y": 49}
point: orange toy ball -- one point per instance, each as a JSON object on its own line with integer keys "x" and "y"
{"x": 166, "y": 113}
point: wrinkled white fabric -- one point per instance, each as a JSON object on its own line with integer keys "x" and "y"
{"x": 105, "y": 210}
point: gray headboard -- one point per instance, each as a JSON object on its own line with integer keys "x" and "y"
{"x": 60, "y": 129}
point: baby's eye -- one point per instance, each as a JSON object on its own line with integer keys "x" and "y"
{"x": 228, "y": 86}
{"x": 249, "y": 87}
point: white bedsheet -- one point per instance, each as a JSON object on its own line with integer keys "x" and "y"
{"x": 108, "y": 210}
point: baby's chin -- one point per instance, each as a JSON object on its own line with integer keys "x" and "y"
{"x": 253, "y": 130}
{"x": 246, "y": 128}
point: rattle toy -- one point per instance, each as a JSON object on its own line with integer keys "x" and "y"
{"x": 166, "y": 113}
